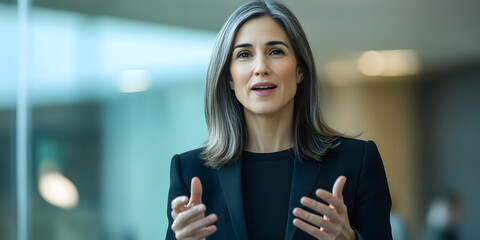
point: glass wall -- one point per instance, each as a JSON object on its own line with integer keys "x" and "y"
{"x": 110, "y": 101}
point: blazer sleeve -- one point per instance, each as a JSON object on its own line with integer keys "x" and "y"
{"x": 177, "y": 188}
{"x": 371, "y": 213}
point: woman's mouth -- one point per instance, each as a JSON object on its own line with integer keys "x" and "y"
{"x": 263, "y": 88}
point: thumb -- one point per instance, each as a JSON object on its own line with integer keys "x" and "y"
{"x": 196, "y": 192}
{"x": 338, "y": 186}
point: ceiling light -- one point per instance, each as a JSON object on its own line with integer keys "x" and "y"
{"x": 388, "y": 63}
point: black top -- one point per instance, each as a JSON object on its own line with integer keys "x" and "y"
{"x": 266, "y": 182}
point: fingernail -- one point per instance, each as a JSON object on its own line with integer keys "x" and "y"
{"x": 305, "y": 200}
{"x": 296, "y": 211}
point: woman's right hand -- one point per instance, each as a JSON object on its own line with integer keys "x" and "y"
{"x": 189, "y": 221}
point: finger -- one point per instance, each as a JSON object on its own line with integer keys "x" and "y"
{"x": 203, "y": 233}
{"x": 193, "y": 228}
{"x": 196, "y": 192}
{"x": 179, "y": 202}
{"x": 320, "y": 208}
{"x": 334, "y": 201}
{"x": 185, "y": 217}
{"x": 338, "y": 187}
{"x": 314, "y": 219}
{"x": 313, "y": 231}
{"x": 178, "y": 205}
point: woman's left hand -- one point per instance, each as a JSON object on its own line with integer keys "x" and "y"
{"x": 334, "y": 224}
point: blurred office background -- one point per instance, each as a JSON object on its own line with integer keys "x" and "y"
{"x": 115, "y": 88}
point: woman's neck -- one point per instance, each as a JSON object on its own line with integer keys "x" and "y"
{"x": 269, "y": 133}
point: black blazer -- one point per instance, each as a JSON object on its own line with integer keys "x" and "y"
{"x": 365, "y": 193}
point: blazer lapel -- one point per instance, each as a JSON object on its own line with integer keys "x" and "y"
{"x": 305, "y": 175}
{"x": 231, "y": 181}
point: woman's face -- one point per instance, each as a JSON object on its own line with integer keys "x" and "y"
{"x": 263, "y": 67}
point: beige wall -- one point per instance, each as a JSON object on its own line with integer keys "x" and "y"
{"x": 383, "y": 111}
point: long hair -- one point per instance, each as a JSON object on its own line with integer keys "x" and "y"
{"x": 223, "y": 112}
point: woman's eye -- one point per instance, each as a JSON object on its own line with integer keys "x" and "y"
{"x": 276, "y": 52}
{"x": 243, "y": 54}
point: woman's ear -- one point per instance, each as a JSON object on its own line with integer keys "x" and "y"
{"x": 299, "y": 75}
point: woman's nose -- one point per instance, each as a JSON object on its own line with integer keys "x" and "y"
{"x": 262, "y": 67}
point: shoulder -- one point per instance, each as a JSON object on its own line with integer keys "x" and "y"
{"x": 358, "y": 156}
{"x": 190, "y": 163}
{"x": 188, "y": 159}
{"x": 352, "y": 146}
{"x": 352, "y": 153}
{"x": 191, "y": 155}
{"x": 353, "y": 142}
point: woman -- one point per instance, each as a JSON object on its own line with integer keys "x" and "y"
{"x": 270, "y": 158}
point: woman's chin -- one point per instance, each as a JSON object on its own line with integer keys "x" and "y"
{"x": 264, "y": 110}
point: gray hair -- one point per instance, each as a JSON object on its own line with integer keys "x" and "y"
{"x": 224, "y": 114}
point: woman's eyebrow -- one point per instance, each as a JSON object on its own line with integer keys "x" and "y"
{"x": 270, "y": 43}
{"x": 243, "y": 45}
{"x": 275, "y": 43}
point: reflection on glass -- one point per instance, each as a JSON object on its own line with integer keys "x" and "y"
{"x": 58, "y": 190}
{"x": 133, "y": 81}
